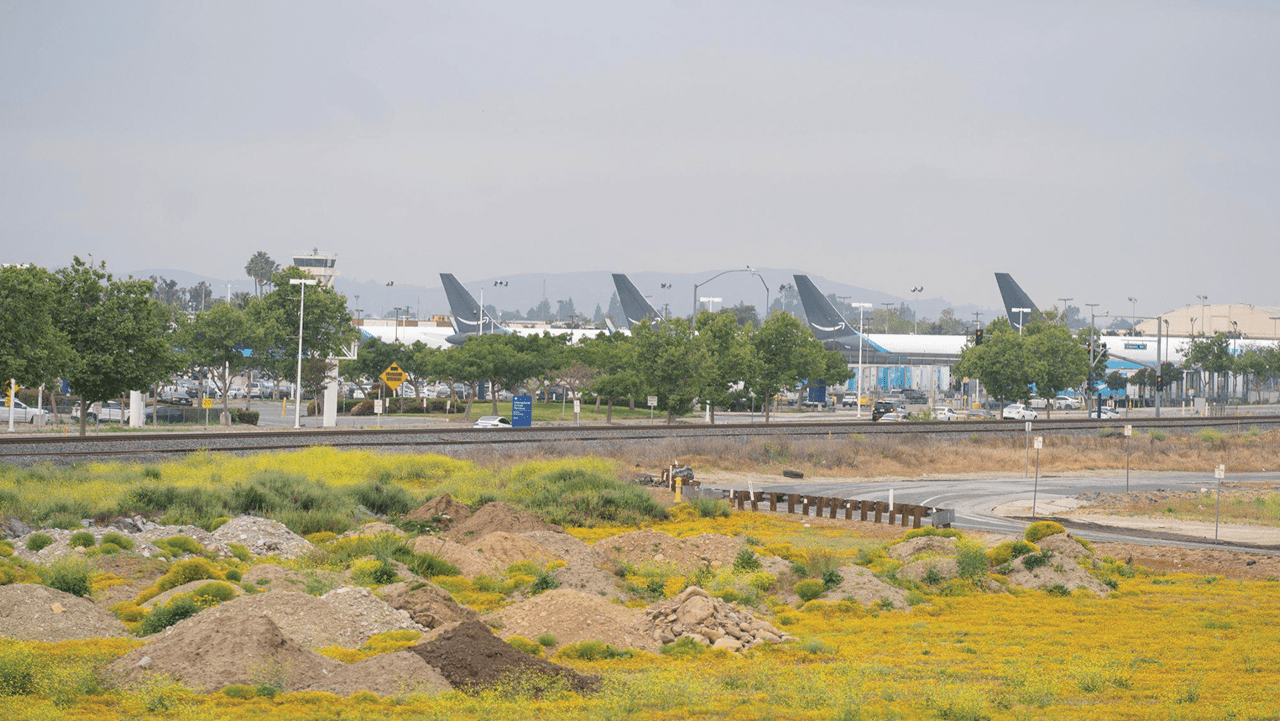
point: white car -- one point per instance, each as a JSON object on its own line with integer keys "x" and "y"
{"x": 1018, "y": 412}
{"x": 107, "y": 412}
{"x": 492, "y": 422}
{"x": 1106, "y": 413}
{"x": 1067, "y": 403}
{"x": 22, "y": 413}
{"x": 944, "y": 413}
{"x": 895, "y": 417}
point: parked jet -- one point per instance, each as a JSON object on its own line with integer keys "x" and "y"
{"x": 1014, "y": 298}
{"x": 830, "y": 327}
{"x": 468, "y": 317}
{"x": 635, "y": 307}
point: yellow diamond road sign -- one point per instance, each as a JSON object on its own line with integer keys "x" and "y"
{"x": 393, "y": 376}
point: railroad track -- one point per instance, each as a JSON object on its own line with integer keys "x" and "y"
{"x": 27, "y": 449}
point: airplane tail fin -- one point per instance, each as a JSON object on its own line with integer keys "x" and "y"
{"x": 1015, "y": 297}
{"x": 635, "y": 307}
{"x": 824, "y": 320}
{"x": 468, "y": 317}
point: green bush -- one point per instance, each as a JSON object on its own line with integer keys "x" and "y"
{"x": 1043, "y": 529}
{"x": 216, "y": 590}
{"x": 37, "y": 541}
{"x": 831, "y": 579}
{"x": 809, "y": 589}
{"x": 543, "y": 581}
{"x": 233, "y": 575}
{"x": 383, "y": 497}
{"x": 243, "y": 417}
{"x": 684, "y": 646}
{"x": 547, "y": 640}
{"x": 240, "y": 551}
{"x": 178, "y": 545}
{"x": 929, "y": 531}
{"x": 82, "y": 539}
{"x": 746, "y": 561}
{"x": 240, "y": 691}
{"x": 591, "y": 651}
{"x": 70, "y": 575}
{"x": 119, "y": 539}
{"x": 523, "y": 644}
{"x": 106, "y": 549}
{"x": 710, "y": 507}
{"x": 194, "y": 569}
{"x": 6, "y": 548}
{"x": 971, "y": 560}
{"x": 762, "y": 581}
{"x": 217, "y": 523}
{"x": 180, "y": 607}
{"x": 1010, "y": 550}
{"x": 1033, "y": 561}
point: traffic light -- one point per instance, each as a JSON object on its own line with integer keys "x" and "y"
{"x": 1159, "y": 382}
{"x": 977, "y": 337}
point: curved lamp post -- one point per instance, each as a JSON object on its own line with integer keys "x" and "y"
{"x": 297, "y": 388}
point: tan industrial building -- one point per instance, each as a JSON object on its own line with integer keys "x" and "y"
{"x": 1250, "y": 321}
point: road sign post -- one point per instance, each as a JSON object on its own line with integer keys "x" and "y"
{"x": 577, "y": 412}
{"x": 1128, "y": 453}
{"x": 206, "y": 403}
{"x": 1035, "y": 489}
{"x": 653, "y": 403}
{"x": 1027, "y": 471}
{"x": 1219, "y": 473}
{"x": 522, "y": 411}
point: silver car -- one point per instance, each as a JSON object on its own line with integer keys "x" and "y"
{"x": 492, "y": 422}
{"x": 22, "y": 413}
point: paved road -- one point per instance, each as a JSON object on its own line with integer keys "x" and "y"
{"x": 974, "y": 499}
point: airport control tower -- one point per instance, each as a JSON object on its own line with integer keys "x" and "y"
{"x": 319, "y": 265}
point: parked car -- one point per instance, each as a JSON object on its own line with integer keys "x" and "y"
{"x": 166, "y": 414}
{"x": 176, "y": 397}
{"x": 1018, "y": 412}
{"x": 1067, "y": 403}
{"x": 945, "y": 413}
{"x": 22, "y": 413}
{"x": 886, "y": 405}
{"x": 111, "y": 411}
{"x": 895, "y": 417}
{"x": 1106, "y": 413}
{"x": 492, "y": 422}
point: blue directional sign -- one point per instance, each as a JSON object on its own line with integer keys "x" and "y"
{"x": 521, "y": 411}
{"x": 818, "y": 392}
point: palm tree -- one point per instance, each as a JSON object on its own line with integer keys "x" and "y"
{"x": 261, "y": 267}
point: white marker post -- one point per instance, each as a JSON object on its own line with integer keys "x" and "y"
{"x": 1035, "y": 489}
{"x": 1219, "y": 473}
{"x": 1128, "y": 453}
{"x": 1027, "y": 471}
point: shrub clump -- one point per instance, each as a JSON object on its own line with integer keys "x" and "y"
{"x": 809, "y": 589}
{"x": 38, "y": 541}
{"x": 69, "y": 575}
{"x": 214, "y": 592}
{"x": 746, "y": 561}
{"x": 533, "y": 648}
{"x": 1043, "y": 529}
{"x": 82, "y": 539}
{"x": 194, "y": 569}
{"x": 1010, "y": 550}
{"x": 179, "y": 608}
{"x": 591, "y": 651}
{"x": 118, "y": 539}
{"x": 179, "y": 545}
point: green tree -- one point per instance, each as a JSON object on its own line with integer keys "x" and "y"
{"x": 728, "y": 347}
{"x": 35, "y": 348}
{"x": 261, "y": 268}
{"x": 1003, "y": 363}
{"x": 326, "y": 328}
{"x": 118, "y": 335}
{"x": 217, "y": 338}
{"x": 1210, "y": 355}
{"x": 672, "y": 364}
{"x": 614, "y": 359}
{"x": 1060, "y": 361}
{"x": 786, "y": 354}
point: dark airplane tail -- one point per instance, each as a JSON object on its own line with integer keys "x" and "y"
{"x": 635, "y": 307}
{"x": 467, "y": 314}
{"x": 824, "y": 320}
{"x": 1015, "y": 297}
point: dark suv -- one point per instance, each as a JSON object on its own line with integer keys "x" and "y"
{"x": 884, "y": 406}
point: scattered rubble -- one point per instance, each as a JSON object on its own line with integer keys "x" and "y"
{"x": 688, "y": 554}
{"x": 441, "y": 511}
{"x": 707, "y": 620}
{"x": 262, "y": 536}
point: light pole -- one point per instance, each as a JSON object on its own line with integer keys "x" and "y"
{"x": 915, "y": 312}
{"x": 747, "y": 269}
{"x": 1133, "y": 314}
{"x": 1020, "y": 311}
{"x": 358, "y": 309}
{"x": 861, "y": 307}
{"x": 666, "y": 302}
{"x": 764, "y": 315}
{"x": 297, "y": 388}
{"x": 711, "y": 302}
{"x": 500, "y": 284}
{"x": 886, "y": 316}
{"x": 1065, "y": 301}
{"x": 1203, "y": 328}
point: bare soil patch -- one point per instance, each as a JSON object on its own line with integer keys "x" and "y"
{"x": 1060, "y": 571}
{"x": 32, "y": 612}
{"x": 426, "y": 603}
{"x": 1241, "y": 565}
{"x": 470, "y": 562}
{"x": 503, "y": 549}
{"x": 472, "y": 659}
{"x": 442, "y": 511}
{"x": 861, "y": 585}
{"x": 402, "y": 673}
{"x": 583, "y": 572}
{"x": 936, "y": 545}
{"x": 647, "y": 547}
{"x": 344, "y": 617}
{"x": 572, "y": 616}
{"x": 498, "y": 516}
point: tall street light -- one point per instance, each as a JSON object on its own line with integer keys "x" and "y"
{"x": 297, "y": 388}
{"x": 1203, "y": 328}
{"x": 1065, "y": 301}
{"x": 916, "y": 311}
{"x": 1133, "y": 312}
{"x": 1020, "y": 311}
{"x": 887, "y": 306}
{"x": 747, "y": 269}
{"x": 861, "y": 307}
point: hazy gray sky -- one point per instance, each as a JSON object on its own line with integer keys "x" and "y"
{"x": 1096, "y": 150}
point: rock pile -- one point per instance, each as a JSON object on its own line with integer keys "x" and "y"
{"x": 707, "y": 620}
{"x": 262, "y": 536}
{"x": 426, "y": 603}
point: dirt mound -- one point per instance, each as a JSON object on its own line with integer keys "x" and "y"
{"x": 344, "y": 617}
{"x": 940, "y": 570}
{"x": 498, "y": 516}
{"x": 223, "y": 646}
{"x": 468, "y": 560}
{"x": 861, "y": 585}
{"x": 707, "y": 620}
{"x": 1065, "y": 544}
{"x": 572, "y": 616}
{"x": 1059, "y": 571}
{"x": 936, "y": 545}
{"x": 372, "y": 529}
{"x": 163, "y": 598}
{"x": 441, "y": 511}
{"x": 583, "y": 572}
{"x": 31, "y": 612}
{"x": 262, "y": 536}
{"x": 504, "y": 549}
{"x": 689, "y": 554}
{"x": 394, "y": 674}
{"x": 61, "y": 546}
{"x": 426, "y": 603}
{"x": 272, "y": 577}
{"x": 473, "y": 659}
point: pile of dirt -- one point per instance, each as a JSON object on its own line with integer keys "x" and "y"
{"x": 930, "y": 571}
{"x": 155, "y": 533}
{"x": 375, "y": 528}
{"x": 402, "y": 673}
{"x": 688, "y": 555}
{"x": 1065, "y": 544}
{"x": 503, "y": 549}
{"x": 61, "y": 546}
{"x": 272, "y": 577}
{"x": 213, "y": 649}
{"x": 498, "y": 516}
{"x": 1059, "y": 571}
{"x": 1210, "y": 562}
{"x": 426, "y": 603}
{"x": 472, "y": 659}
{"x": 572, "y": 616}
{"x": 344, "y": 617}
{"x": 441, "y": 511}
{"x": 934, "y": 545}
{"x": 31, "y": 612}
{"x": 861, "y": 585}
{"x": 468, "y": 560}
{"x": 163, "y": 598}
{"x": 262, "y": 536}
{"x": 583, "y": 572}
{"x": 708, "y": 620}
